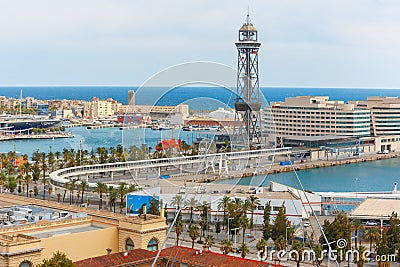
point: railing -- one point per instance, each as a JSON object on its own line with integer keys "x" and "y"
{"x": 60, "y": 177}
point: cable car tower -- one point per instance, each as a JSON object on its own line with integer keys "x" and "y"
{"x": 247, "y": 127}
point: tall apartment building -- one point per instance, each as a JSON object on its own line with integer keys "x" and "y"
{"x": 131, "y": 98}
{"x": 100, "y": 108}
{"x": 385, "y": 114}
{"x": 313, "y": 116}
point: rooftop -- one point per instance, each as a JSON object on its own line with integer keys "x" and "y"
{"x": 173, "y": 254}
{"x": 376, "y": 208}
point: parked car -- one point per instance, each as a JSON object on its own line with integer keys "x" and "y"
{"x": 371, "y": 223}
{"x": 307, "y": 224}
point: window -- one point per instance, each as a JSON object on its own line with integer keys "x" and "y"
{"x": 25, "y": 264}
{"x": 152, "y": 245}
{"x": 129, "y": 245}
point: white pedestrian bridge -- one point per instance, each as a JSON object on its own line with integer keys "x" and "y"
{"x": 198, "y": 162}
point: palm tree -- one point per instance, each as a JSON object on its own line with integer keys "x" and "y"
{"x": 194, "y": 233}
{"x": 372, "y": 234}
{"x": 262, "y": 246}
{"x": 244, "y": 250}
{"x": 360, "y": 258}
{"x": 244, "y": 223}
{"x": 177, "y": 200}
{"x": 253, "y": 203}
{"x": 27, "y": 181}
{"x": 299, "y": 247}
{"x": 122, "y": 191}
{"x": 83, "y": 186}
{"x": 112, "y": 195}
{"x": 280, "y": 243}
{"x": 225, "y": 246}
{"x": 210, "y": 241}
{"x": 178, "y": 229}
{"x": 223, "y": 204}
{"x": 71, "y": 187}
{"x": 191, "y": 203}
{"x": 3, "y": 179}
{"x": 44, "y": 169}
{"x": 101, "y": 188}
{"x": 357, "y": 225}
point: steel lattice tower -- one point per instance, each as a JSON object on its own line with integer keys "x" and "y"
{"x": 247, "y": 127}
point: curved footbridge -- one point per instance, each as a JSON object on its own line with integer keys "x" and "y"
{"x": 203, "y": 163}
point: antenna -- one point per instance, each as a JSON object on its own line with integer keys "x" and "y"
{"x": 20, "y": 103}
{"x": 248, "y": 16}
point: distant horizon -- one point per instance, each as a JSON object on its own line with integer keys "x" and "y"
{"x": 203, "y": 85}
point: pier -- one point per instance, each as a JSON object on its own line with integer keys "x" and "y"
{"x": 9, "y": 137}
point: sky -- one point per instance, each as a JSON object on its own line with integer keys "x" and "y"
{"x": 305, "y": 43}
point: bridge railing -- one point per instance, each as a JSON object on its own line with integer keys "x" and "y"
{"x": 60, "y": 176}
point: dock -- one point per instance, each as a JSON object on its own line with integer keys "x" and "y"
{"x": 10, "y": 137}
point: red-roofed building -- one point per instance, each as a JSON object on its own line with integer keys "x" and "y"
{"x": 174, "y": 256}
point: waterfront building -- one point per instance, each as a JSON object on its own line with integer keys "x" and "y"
{"x": 80, "y": 233}
{"x": 43, "y": 109}
{"x": 376, "y": 209}
{"x": 385, "y": 114}
{"x": 222, "y": 113}
{"x": 315, "y": 116}
{"x": 276, "y": 194}
{"x": 156, "y": 112}
{"x": 3, "y": 101}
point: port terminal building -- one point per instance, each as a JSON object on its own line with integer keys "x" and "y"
{"x": 295, "y": 201}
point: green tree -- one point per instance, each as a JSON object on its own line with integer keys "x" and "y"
{"x": 191, "y": 204}
{"x": 112, "y": 195}
{"x": 223, "y": 205}
{"x": 194, "y": 233}
{"x": 279, "y": 227}
{"x": 178, "y": 229}
{"x": 359, "y": 259}
{"x": 177, "y": 200}
{"x": 244, "y": 223}
{"x": 244, "y": 250}
{"x": 253, "y": 202}
{"x": 210, "y": 240}
{"x": 340, "y": 228}
{"x": 218, "y": 227}
{"x": 83, "y": 186}
{"x": 154, "y": 206}
{"x": 372, "y": 234}
{"x": 59, "y": 259}
{"x": 382, "y": 248}
{"x": 299, "y": 248}
{"x": 357, "y": 226}
{"x": 101, "y": 189}
{"x": 225, "y": 246}
{"x": 11, "y": 183}
{"x": 280, "y": 243}
{"x": 267, "y": 221}
{"x": 262, "y": 247}
{"x": 394, "y": 233}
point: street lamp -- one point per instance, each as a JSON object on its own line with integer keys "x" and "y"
{"x": 287, "y": 227}
{"x": 228, "y": 227}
